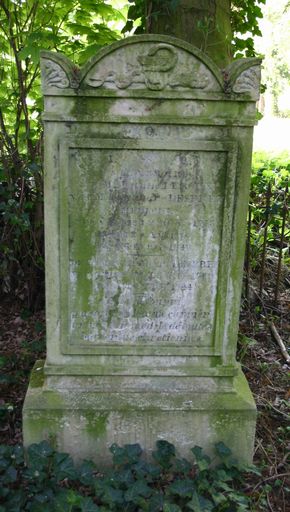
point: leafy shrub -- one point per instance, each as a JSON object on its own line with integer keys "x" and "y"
{"x": 78, "y": 29}
{"x": 51, "y": 482}
{"x": 268, "y": 201}
{"x": 267, "y": 168}
{"x": 21, "y": 227}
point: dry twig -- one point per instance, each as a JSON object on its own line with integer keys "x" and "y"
{"x": 280, "y": 342}
{"x": 273, "y": 477}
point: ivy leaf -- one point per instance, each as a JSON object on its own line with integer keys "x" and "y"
{"x": 200, "y": 504}
{"x": 87, "y": 505}
{"x": 164, "y": 453}
{"x": 86, "y": 473}
{"x": 113, "y": 497}
{"x": 5, "y": 459}
{"x": 129, "y": 454}
{"x": 10, "y": 475}
{"x": 183, "y": 488}
{"x": 63, "y": 466}
{"x": 202, "y": 460}
{"x": 16, "y": 501}
{"x": 219, "y": 498}
{"x": 44, "y": 497}
{"x": 38, "y": 454}
{"x": 224, "y": 486}
{"x": 65, "y": 499}
{"x": 222, "y": 450}
{"x": 221, "y": 475}
{"x": 139, "y": 488}
{"x": 155, "y": 503}
{"x": 122, "y": 479}
{"x": 171, "y": 507}
{"x": 182, "y": 466}
{"x": 143, "y": 469}
{"x": 253, "y": 469}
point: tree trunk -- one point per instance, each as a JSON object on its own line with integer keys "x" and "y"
{"x": 203, "y": 23}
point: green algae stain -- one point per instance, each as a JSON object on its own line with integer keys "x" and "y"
{"x": 96, "y": 423}
{"x": 37, "y": 375}
{"x": 114, "y": 309}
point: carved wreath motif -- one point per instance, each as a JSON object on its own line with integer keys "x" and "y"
{"x": 156, "y": 70}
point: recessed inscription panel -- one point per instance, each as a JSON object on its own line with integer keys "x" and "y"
{"x": 144, "y": 243}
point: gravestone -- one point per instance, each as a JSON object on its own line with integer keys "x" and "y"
{"x": 147, "y": 166}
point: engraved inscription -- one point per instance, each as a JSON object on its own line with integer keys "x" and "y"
{"x": 144, "y": 245}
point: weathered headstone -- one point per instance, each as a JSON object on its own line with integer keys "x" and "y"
{"x": 147, "y": 164}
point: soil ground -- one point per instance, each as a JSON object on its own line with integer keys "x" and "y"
{"x": 22, "y": 341}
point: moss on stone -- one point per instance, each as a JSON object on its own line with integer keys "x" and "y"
{"x": 97, "y": 423}
{"x": 114, "y": 310}
{"x": 37, "y": 375}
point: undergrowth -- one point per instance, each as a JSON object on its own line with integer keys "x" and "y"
{"x": 269, "y": 204}
{"x": 45, "y": 480}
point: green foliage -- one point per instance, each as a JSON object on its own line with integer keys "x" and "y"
{"x": 245, "y": 344}
{"x": 276, "y": 69}
{"x": 142, "y": 12}
{"x": 51, "y": 482}
{"x": 77, "y": 28}
{"x": 270, "y": 176}
{"x": 15, "y": 368}
{"x": 268, "y": 168}
{"x": 245, "y": 15}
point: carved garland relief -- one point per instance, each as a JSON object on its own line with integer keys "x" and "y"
{"x": 156, "y": 69}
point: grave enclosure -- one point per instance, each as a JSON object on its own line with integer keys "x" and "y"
{"x": 147, "y": 166}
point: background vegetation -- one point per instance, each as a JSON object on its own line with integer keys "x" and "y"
{"x": 275, "y": 45}
{"x": 78, "y": 28}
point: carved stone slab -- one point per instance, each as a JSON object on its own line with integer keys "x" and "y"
{"x": 147, "y": 167}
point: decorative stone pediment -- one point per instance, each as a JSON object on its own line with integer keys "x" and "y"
{"x": 150, "y": 63}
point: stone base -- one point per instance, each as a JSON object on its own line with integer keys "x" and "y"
{"x": 86, "y": 423}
